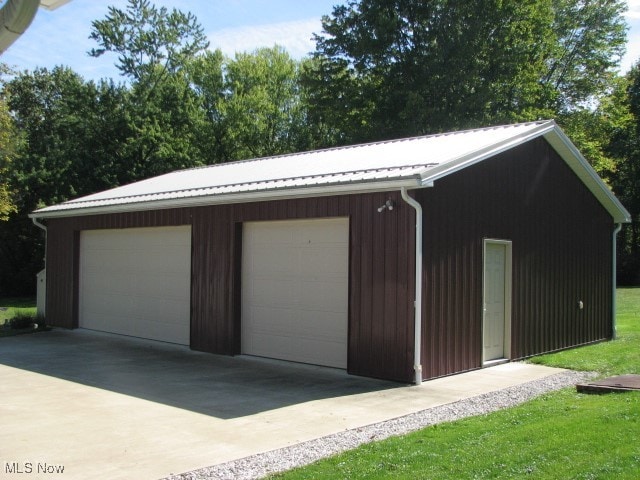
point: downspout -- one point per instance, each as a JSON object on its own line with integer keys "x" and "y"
{"x": 15, "y": 18}
{"x": 43, "y": 227}
{"x": 417, "y": 304}
{"x": 613, "y": 281}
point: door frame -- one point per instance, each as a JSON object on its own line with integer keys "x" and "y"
{"x": 508, "y": 286}
{"x": 242, "y": 246}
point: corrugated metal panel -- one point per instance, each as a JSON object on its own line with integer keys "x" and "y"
{"x": 561, "y": 254}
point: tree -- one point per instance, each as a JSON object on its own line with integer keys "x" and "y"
{"x": 404, "y": 67}
{"x": 590, "y": 40}
{"x": 155, "y": 48}
{"x": 625, "y": 146}
{"x": 251, "y": 105}
{"x": 150, "y": 42}
{"x": 71, "y": 135}
{"x": 262, "y": 111}
{"x": 205, "y": 75}
{"x": 8, "y": 136}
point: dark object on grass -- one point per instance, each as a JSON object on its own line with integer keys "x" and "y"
{"x": 22, "y": 320}
{"x": 620, "y": 383}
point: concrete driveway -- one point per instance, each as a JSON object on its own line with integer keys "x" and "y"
{"x": 107, "y": 406}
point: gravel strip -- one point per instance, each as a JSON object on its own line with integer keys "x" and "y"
{"x": 260, "y": 465}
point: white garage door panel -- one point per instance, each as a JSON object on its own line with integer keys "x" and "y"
{"x": 295, "y": 290}
{"x": 137, "y": 282}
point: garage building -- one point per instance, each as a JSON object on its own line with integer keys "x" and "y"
{"x": 404, "y": 260}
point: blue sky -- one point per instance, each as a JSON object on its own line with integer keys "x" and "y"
{"x": 60, "y": 37}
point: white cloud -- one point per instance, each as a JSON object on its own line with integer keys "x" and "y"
{"x": 634, "y": 9}
{"x": 295, "y": 37}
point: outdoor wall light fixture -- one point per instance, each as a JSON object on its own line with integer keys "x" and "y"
{"x": 388, "y": 205}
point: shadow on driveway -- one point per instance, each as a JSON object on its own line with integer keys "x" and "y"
{"x": 215, "y": 385}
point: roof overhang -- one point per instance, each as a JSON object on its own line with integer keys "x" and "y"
{"x": 255, "y": 196}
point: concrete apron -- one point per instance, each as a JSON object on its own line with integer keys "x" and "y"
{"x": 51, "y": 419}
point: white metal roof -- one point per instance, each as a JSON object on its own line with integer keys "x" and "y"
{"x": 412, "y": 163}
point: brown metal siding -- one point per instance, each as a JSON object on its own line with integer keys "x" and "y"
{"x": 561, "y": 254}
{"x": 381, "y": 272}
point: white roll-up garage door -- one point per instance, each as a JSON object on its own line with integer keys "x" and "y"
{"x": 295, "y": 283}
{"x": 136, "y": 282}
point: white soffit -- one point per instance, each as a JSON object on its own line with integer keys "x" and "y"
{"x": 412, "y": 163}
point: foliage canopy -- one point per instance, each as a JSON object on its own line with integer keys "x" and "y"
{"x": 382, "y": 69}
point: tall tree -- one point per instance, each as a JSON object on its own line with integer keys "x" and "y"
{"x": 405, "y": 67}
{"x": 262, "y": 111}
{"x": 625, "y": 145}
{"x": 71, "y": 135}
{"x": 154, "y": 48}
{"x": 205, "y": 75}
{"x": 8, "y": 137}
{"x": 149, "y": 41}
{"x": 589, "y": 41}
{"x": 72, "y": 132}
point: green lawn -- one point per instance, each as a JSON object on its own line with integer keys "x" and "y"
{"x": 26, "y": 305}
{"x": 609, "y": 358}
{"x": 14, "y": 307}
{"x": 558, "y": 435}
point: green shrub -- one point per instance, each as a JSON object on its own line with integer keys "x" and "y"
{"x": 23, "y": 320}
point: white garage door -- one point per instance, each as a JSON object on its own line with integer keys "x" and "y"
{"x": 295, "y": 278}
{"x": 136, "y": 282}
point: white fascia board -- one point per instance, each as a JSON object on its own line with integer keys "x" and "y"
{"x": 260, "y": 196}
{"x": 433, "y": 174}
{"x": 585, "y": 172}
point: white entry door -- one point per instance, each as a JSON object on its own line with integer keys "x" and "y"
{"x": 295, "y": 284}
{"x": 497, "y": 300}
{"x": 136, "y": 282}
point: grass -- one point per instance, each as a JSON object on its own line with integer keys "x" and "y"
{"x": 608, "y": 358}
{"x": 14, "y": 306}
{"x": 562, "y": 434}
{"x": 11, "y": 308}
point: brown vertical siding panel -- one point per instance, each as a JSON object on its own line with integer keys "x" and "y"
{"x": 561, "y": 254}
{"x": 60, "y": 275}
{"x": 356, "y": 287}
{"x": 365, "y": 361}
{"x": 378, "y": 299}
{"x": 212, "y": 325}
{"x": 389, "y": 222}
